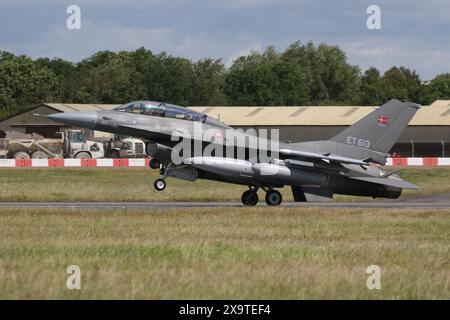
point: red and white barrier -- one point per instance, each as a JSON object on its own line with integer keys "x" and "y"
{"x": 73, "y": 163}
{"x": 418, "y": 162}
{"x": 126, "y": 163}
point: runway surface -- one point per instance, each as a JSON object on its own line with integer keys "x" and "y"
{"x": 435, "y": 201}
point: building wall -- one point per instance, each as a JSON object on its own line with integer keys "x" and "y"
{"x": 419, "y": 134}
{"x": 28, "y": 123}
{"x": 21, "y": 121}
{"x": 427, "y": 141}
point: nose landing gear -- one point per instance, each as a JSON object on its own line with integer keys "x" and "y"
{"x": 159, "y": 184}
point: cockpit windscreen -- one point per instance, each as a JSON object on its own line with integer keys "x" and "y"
{"x": 160, "y": 109}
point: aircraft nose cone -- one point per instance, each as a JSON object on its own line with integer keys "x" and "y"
{"x": 87, "y": 119}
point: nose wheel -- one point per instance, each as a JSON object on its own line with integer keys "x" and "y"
{"x": 159, "y": 184}
{"x": 273, "y": 198}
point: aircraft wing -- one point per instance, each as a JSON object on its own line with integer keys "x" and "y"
{"x": 326, "y": 157}
{"x": 397, "y": 183}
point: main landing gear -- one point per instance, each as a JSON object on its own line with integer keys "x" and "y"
{"x": 250, "y": 197}
{"x": 273, "y": 198}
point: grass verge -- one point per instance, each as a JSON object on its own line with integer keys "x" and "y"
{"x": 225, "y": 253}
{"x": 119, "y": 184}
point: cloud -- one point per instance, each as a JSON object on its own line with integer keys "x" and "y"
{"x": 235, "y": 4}
{"x": 383, "y": 53}
{"x": 76, "y": 44}
{"x": 95, "y": 36}
{"x": 205, "y": 45}
{"x": 414, "y": 32}
{"x": 243, "y": 51}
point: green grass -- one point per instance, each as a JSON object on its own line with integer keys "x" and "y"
{"x": 225, "y": 253}
{"x": 127, "y": 184}
{"x": 243, "y": 253}
{"x": 436, "y": 180}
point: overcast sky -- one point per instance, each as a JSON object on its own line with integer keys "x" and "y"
{"x": 415, "y": 33}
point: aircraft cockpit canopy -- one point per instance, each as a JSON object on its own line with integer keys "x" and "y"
{"x": 161, "y": 109}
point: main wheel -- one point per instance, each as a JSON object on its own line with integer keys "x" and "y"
{"x": 21, "y": 155}
{"x": 155, "y": 163}
{"x": 82, "y": 155}
{"x": 249, "y": 198}
{"x": 39, "y": 155}
{"x": 159, "y": 184}
{"x": 273, "y": 198}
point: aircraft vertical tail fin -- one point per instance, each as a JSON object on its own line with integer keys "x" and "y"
{"x": 380, "y": 129}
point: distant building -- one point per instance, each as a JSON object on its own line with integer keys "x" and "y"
{"x": 27, "y": 122}
{"x": 427, "y": 135}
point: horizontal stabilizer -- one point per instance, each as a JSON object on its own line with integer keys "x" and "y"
{"x": 397, "y": 183}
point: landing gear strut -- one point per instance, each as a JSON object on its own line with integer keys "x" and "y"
{"x": 159, "y": 184}
{"x": 250, "y": 197}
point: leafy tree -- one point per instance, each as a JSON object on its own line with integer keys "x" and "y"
{"x": 401, "y": 83}
{"x": 372, "y": 93}
{"x": 303, "y": 74}
{"x": 300, "y": 75}
{"x": 340, "y": 80}
{"x": 252, "y": 81}
{"x": 439, "y": 87}
{"x": 23, "y": 82}
{"x": 208, "y": 82}
{"x": 114, "y": 80}
{"x": 292, "y": 88}
{"x": 295, "y": 74}
{"x": 169, "y": 79}
{"x": 65, "y": 74}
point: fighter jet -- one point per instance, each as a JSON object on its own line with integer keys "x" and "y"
{"x": 189, "y": 145}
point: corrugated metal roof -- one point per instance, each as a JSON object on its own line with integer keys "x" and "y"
{"x": 441, "y": 103}
{"x": 266, "y": 116}
{"x": 438, "y": 113}
{"x": 70, "y": 107}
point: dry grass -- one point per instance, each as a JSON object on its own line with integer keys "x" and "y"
{"x": 114, "y": 184}
{"x": 431, "y": 180}
{"x": 95, "y": 184}
{"x": 243, "y": 253}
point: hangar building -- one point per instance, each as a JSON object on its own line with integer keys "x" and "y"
{"x": 428, "y": 134}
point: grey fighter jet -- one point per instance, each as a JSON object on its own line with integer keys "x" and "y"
{"x": 190, "y": 145}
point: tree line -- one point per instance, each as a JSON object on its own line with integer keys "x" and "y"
{"x": 303, "y": 74}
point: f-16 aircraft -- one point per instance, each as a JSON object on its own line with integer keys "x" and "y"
{"x": 349, "y": 163}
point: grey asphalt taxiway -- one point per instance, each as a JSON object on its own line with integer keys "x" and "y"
{"x": 434, "y": 201}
